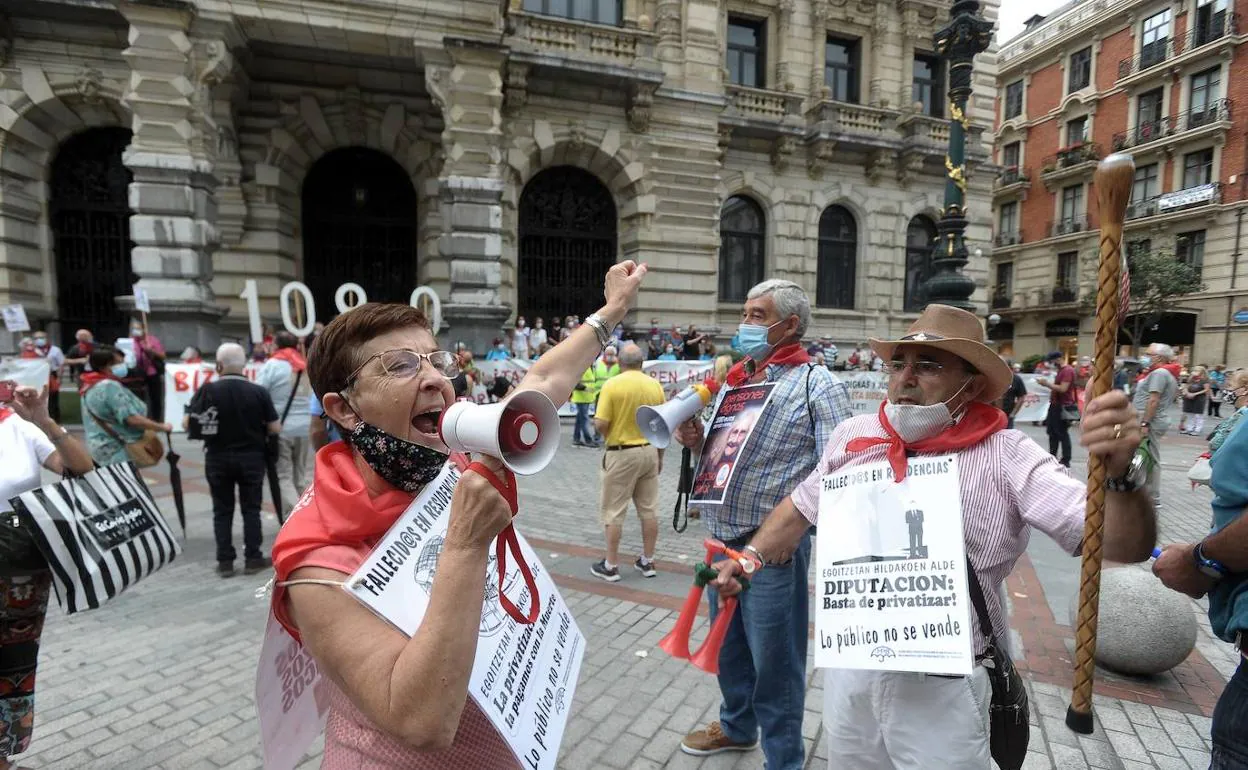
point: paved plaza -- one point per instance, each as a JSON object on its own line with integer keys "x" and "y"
{"x": 163, "y": 677}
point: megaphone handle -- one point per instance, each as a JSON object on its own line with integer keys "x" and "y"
{"x": 507, "y": 540}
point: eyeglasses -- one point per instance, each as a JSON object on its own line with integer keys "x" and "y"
{"x": 921, "y": 368}
{"x": 401, "y": 364}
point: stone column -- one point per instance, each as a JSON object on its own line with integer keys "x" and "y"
{"x": 173, "y": 224}
{"x": 909, "y": 32}
{"x": 468, "y": 89}
{"x": 784, "y": 81}
{"x": 821, "y": 13}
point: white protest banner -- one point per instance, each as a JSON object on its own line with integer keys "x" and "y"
{"x": 15, "y": 318}
{"x": 1035, "y": 403}
{"x": 32, "y": 372}
{"x": 674, "y": 376}
{"x": 182, "y": 381}
{"x": 524, "y": 675}
{"x": 726, "y": 440}
{"x": 867, "y": 390}
{"x": 141, "y": 301}
{"x": 292, "y": 699}
{"x": 891, "y": 591}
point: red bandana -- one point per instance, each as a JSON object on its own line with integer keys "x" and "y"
{"x": 979, "y": 422}
{"x": 5, "y": 413}
{"x": 89, "y": 380}
{"x": 792, "y": 354}
{"x": 291, "y": 356}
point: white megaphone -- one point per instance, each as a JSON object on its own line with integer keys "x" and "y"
{"x": 522, "y": 432}
{"x": 657, "y": 423}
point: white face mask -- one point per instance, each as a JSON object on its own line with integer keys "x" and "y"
{"x": 915, "y": 422}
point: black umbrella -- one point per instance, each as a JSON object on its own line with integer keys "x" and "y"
{"x": 175, "y": 481}
{"x": 275, "y": 488}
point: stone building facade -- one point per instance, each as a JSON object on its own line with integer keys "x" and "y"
{"x": 502, "y": 154}
{"x": 1167, "y": 82}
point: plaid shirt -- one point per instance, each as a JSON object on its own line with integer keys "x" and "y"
{"x": 788, "y": 440}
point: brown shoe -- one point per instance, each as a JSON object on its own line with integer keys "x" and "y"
{"x": 703, "y": 743}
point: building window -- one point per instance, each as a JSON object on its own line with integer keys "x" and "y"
{"x": 1156, "y": 39}
{"x": 1211, "y": 20}
{"x": 1076, "y": 131}
{"x": 1005, "y": 278}
{"x": 1197, "y": 168}
{"x": 1206, "y": 90}
{"x": 929, "y": 88}
{"x": 1145, "y": 186}
{"x": 838, "y": 258}
{"x": 1137, "y": 247}
{"x": 920, "y": 237}
{"x": 597, "y": 11}
{"x": 1011, "y": 154}
{"x": 1080, "y": 70}
{"x": 840, "y": 69}
{"x": 1190, "y": 248}
{"x": 747, "y": 55}
{"x": 1072, "y": 206}
{"x": 1067, "y": 269}
{"x": 1014, "y": 99}
{"x": 1007, "y": 221}
{"x": 742, "y": 237}
{"x": 1148, "y": 115}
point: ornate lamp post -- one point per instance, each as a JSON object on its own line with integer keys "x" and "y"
{"x": 966, "y": 35}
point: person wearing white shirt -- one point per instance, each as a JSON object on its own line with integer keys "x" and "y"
{"x": 537, "y": 337}
{"x": 520, "y": 340}
{"x": 284, "y": 377}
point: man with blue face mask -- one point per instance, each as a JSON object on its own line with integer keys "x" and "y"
{"x": 762, "y": 663}
{"x": 942, "y": 381}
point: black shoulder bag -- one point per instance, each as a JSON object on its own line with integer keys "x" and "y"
{"x": 1009, "y": 727}
{"x": 273, "y": 437}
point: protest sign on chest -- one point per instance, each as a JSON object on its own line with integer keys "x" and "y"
{"x": 891, "y": 590}
{"x": 727, "y": 438}
{"x": 524, "y": 675}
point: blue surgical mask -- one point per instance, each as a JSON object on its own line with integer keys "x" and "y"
{"x": 120, "y": 370}
{"x": 1145, "y": 362}
{"x": 752, "y": 340}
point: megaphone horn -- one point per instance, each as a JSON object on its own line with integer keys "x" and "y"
{"x": 522, "y": 432}
{"x": 658, "y": 423}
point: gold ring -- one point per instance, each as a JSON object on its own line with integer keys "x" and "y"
{"x": 1117, "y": 431}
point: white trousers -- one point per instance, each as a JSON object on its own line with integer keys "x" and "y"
{"x": 893, "y": 721}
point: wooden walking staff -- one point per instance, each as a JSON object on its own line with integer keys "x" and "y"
{"x": 1114, "y": 177}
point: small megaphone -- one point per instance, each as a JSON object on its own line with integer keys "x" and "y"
{"x": 522, "y": 432}
{"x": 657, "y": 423}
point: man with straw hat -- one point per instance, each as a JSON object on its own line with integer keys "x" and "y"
{"x": 942, "y": 380}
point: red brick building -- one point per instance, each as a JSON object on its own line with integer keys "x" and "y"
{"x": 1167, "y": 82}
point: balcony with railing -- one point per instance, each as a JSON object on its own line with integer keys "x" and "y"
{"x": 1064, "y": 294}
{"x": 1069, "y": 162}
{"x": 1002, "y": 298}
{"x": 854, "y": 125}
{"x": 1177, "y": 204}
{"x": 1141, "y": 209}
{"x": 1012, "y": 180}
{"x": 762, "y": 111}
{"x": 1211, "y": 118}
{"x": 1176, "y": 50}
{"x": 1068, "y": 226}
{"x": 1005, "y": 240}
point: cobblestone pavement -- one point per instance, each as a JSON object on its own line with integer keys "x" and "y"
{"x": 163, "y": 677}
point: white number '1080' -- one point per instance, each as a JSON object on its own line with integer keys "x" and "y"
{"x": 347, "y": 297}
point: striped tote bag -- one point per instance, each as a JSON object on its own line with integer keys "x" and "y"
{"x": 100, "y": 533}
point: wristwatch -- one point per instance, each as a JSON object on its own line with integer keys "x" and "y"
{"x": 1133, "y": 479}
{"x": 1208, "y": 567}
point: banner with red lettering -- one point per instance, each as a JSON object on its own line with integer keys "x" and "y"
{"x": 674, "y": 376}
{"x": 183, "y": 380}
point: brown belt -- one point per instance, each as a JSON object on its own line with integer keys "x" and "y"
{"x": 618, "y": 447}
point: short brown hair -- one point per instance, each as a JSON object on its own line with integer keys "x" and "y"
{"x": 337, "y": 350}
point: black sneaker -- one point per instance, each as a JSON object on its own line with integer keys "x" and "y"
{"x": 252, "y": 566}
{"x": 646, "y": 568}
{"x": 599, "y": 568}
{"x": 225, "y": 569}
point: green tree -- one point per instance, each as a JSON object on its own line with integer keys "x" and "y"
{"x": 1159, "y": 280}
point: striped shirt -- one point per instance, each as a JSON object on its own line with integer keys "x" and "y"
{"x": 1009, "y": 485}
{"x": 807, "y": 403}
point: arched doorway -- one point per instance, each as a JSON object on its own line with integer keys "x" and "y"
{"x": 742, "y": 247}
{"x": 90, "y": 217}
{"x": 567, "y": 243}
{"x": 359, "y": 225}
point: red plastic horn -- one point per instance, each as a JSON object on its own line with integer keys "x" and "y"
{"x": 676, "y": 643}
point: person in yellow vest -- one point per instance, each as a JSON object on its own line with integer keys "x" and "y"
{"x": 606, "y": 367}
{"x": 631, "y": 466}
{"x": 583, "y": 396}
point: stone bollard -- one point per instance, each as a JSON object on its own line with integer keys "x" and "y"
{"x": 1144, "y": 627}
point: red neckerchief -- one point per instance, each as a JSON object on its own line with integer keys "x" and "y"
{"x": 1174, "y": 369}
{"x": 979, "y": 422}
{"x": 291, "y": 356}
{"x": 5, "y": 413}
{"x": 89, "y": 380}
{"x": 792, "y": 354}
{"x": 29, "y": 354}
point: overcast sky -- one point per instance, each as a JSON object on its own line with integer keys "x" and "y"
{"x": 1014, "y": 12}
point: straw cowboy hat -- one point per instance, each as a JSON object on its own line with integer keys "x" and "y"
{"x": 959, "y": 332}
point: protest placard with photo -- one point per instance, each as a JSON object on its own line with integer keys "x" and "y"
{"x": 891, "y": 590}
{"x": 727, "y": 438}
